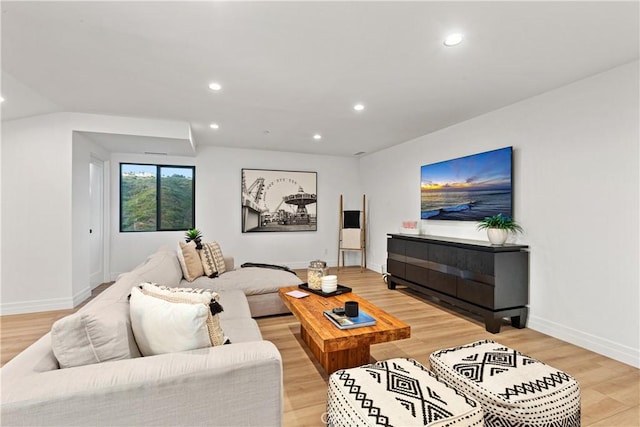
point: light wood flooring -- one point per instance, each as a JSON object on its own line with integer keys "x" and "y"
{"x": 610, "y": 389}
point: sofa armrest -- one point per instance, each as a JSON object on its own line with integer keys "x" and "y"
{"x": 229, "y": 263}
{"x": 237, "y": 384}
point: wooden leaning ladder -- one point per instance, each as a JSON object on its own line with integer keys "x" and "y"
{"x": 352, "y": 238}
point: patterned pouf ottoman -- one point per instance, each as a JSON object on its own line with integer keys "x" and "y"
{"x": 397, "y": 392}
{"x": 514, "y": 390}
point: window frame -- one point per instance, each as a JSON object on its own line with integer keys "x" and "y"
{"x": 158, "y": 198}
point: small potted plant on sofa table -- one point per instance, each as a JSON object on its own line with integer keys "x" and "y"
{"x": 498, "y": 228}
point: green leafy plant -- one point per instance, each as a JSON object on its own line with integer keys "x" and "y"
{"x": 499, "y": 221}
{"x": 195, "y": 235}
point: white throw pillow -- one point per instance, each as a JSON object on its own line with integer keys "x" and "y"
{"x": 162, "y": 327}
{"x": 192, "y": 296}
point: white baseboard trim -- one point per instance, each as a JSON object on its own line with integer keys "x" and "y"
{"x": 296, "y": 265}
{"x": 293, "y": 265}
{"x": 52, "y": 304}
{"x": 34, "y": 306}
{"x": 377, "y": 266}
{"x": 619, "y": 352}
{"x": 81, "y": 296}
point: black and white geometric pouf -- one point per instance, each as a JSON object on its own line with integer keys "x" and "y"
{"x": 514, "y": 390}
{"x": 397, "y": 392}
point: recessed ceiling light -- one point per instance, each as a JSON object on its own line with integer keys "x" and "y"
{"x": 453, "y": 39}
{"x": 214, "y": 126}
{"x": 358, "y": 107}
{"x": 317, "y": 136}
{"x": 215, "y": 86}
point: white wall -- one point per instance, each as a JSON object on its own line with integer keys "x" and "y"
{"x": 45, "y": 205}
{"x": 0, "y": 214}
{"x": 36, "y": 220}
{"x": 218, "y": 208}
{"x": 576, "y": 162}
{"x": 219, "y": 212}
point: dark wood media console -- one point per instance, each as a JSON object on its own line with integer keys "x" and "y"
{"x": 492, "y": 281}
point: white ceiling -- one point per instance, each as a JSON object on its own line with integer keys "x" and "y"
{"x": 292, "y": 69}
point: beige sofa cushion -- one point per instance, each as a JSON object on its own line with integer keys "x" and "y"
{"x": 238, "y": 305}
{"x": 161, "y": 267}
{"x": 93, "y": 336}
{"x": 190, "y": 261}
{"x": 251, "y": 280}
{"x": 161, "y": 326}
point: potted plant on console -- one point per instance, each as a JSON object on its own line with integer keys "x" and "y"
{"x": 498, "y": 228}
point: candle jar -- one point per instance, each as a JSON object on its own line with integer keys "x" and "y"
{"x": 329, "y": 284}
{"x": 315, "y": 272}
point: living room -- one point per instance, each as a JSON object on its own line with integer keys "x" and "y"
{"x": 576, "y": 189}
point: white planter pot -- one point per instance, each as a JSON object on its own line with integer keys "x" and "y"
{"x": 497, "y": 236}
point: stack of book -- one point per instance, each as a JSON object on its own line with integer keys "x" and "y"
{"x": 343, "y": 322}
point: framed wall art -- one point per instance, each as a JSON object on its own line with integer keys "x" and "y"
{"x": 277, "y": 200}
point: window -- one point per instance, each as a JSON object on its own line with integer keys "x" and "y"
{"x": 157, "y": 197}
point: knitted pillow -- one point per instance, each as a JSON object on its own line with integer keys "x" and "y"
{"x": 212, "y": 259}
{"x": 208, "y": 260}
{"x": 192, "y": 296}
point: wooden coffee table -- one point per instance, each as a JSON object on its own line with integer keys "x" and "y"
{"x": 336, "y": 348}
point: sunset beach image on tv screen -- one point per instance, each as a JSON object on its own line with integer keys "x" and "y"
{"x": 468, "y": 188}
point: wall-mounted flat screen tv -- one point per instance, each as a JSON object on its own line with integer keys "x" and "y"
{"x": 468, "y": 188}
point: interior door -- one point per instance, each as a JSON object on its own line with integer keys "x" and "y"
{"x": 96, "y": 224}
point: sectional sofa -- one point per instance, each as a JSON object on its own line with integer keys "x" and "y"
{"x": 232, "y": 384}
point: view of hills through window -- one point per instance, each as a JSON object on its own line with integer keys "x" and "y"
{"x": 156, "y": 197}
